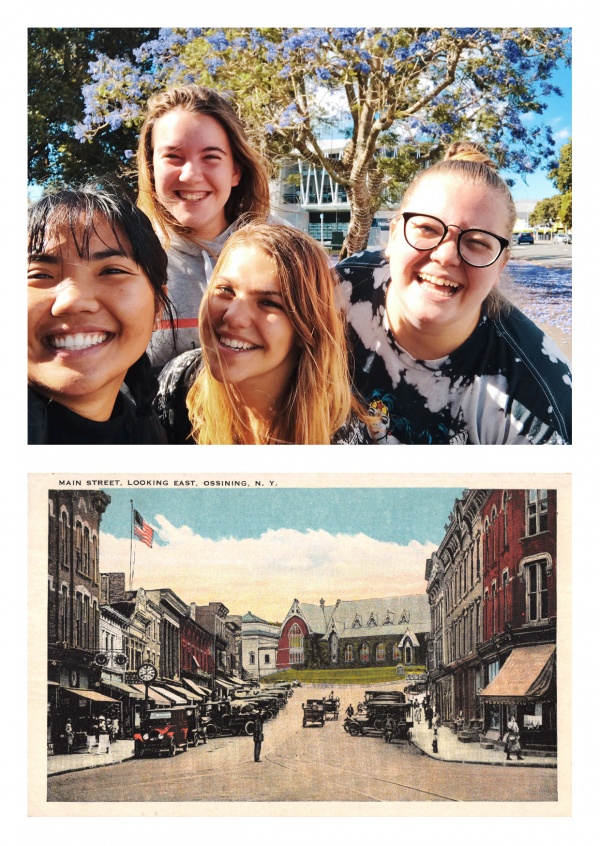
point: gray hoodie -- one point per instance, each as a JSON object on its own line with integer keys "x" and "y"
{"x": 189, "y": 271}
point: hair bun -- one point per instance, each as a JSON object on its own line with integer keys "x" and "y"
{"x": 469, "y": 151}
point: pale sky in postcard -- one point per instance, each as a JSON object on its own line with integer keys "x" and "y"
{"x": 258, "y": 549}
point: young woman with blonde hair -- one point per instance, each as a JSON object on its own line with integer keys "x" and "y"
{"x": 197, "y": 174}
{"x": 273, "y": 365}
{"x": 455, "y": 361}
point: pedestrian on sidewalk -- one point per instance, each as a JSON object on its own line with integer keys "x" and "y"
{"x": 429, "y": 715}
{"x": 512, "y": 743}
{"x": 70, "y": 735}
{"x": 258, "y": 735}
{"x": 103, "y": 737}
{"x": 91, "y": 734}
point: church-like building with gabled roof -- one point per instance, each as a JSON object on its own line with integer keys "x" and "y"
{"x": 355, "y": 633}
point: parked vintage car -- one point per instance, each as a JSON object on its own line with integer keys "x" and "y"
{"x": 314, "y": 712}
{"x": 227, "y": 718}
{"x": 373, "y": 720}
{"x": 165, "y": 730}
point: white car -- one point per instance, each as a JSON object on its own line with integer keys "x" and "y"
{"x": 562, "y": 238}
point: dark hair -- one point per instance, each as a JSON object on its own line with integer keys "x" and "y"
{"x": 78, "y": 211}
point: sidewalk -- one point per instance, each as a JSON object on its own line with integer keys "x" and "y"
{"x": 450, "y": 748}
{"x": 119, "y": 751}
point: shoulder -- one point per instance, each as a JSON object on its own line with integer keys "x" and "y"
{"x": 543, "y": 379}
{"x": 37, "y": 418}
{"x": 174, "y": 382}
{"x": 363, "y": 277}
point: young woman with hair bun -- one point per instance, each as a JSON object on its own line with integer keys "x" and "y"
{"x": 197, "y": 174}
{"x": 457, "y": 363}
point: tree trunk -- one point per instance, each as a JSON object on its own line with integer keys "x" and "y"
{"x": 362, "y": 210}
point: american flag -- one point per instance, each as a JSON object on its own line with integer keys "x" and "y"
{"x": 141, "y": 529}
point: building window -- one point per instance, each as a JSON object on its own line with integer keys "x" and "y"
{"x": 494, "y": 607}
{"x": 267, "y": 658}
{"x": 296, "y": 645}
{"x": 396, "y": 653}
{"x": 372, "y": 620}
{"x": 537, "y": 512}
{"x": 85, "y": 556}
{"x": 505, "y": 515}
{"x": 537, "y": 591}
{"x": 364, "y": 653}
{"x": 349, "y": 653}
{"x": 253, "y": 658}
{"x": 357, "y": 623}
{"x": 63, "y": 540}
{"x": 380, "y": 653}
{"x": 408, "y": 654}
{"x": 78, "y": 616}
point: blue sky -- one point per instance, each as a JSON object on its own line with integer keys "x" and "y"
{"x": 389, "y": 514}
{"x": 258, "y": 549}
{"x": 558, "y": 115}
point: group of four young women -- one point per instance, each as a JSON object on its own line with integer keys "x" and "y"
{"x": 255, "y": 338}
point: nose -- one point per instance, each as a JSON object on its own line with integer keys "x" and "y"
{"x": 73, "y": 296}
{"x": 191, "y": 171}
{"x": 237, "y": 313}
{"x": 446, "y": 252}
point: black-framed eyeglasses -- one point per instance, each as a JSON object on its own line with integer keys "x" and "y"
{"x": 476, "y": 247}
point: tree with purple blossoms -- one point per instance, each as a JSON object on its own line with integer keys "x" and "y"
{"x": 414, "y": 90}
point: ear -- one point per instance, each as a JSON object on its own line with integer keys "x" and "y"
{"x": 393, "y": 235}
{"x": 236, "y": 175}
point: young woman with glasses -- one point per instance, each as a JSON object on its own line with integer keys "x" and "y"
{"x": 454, "y": 360}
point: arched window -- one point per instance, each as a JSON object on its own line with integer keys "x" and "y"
{"x": 408, "y": 654}
{"x": 380, "y": 653}
{"x": 396, "y": 653}
{"x": 63, "y": 539}
{"x": 334, "y": 647}
{"x": 364, "y": 653}
{"x": 349, "y": 653}
{"x": 296, "y": 645}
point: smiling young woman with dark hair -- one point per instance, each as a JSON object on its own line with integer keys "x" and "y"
{"x": 96, "y": 286}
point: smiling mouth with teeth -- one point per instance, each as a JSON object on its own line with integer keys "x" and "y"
{"x": 445, "y": 285}
{"x": 193, "y": 197}
{"x": 233, "y": 344}
{"x": 78, "y": 341}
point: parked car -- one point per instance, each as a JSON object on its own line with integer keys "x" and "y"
{"x": 562, "y": 238}
{"x": 164, "y": 730}
{"x": 226, "y": 718}
{"x": 525, "y": 238}
{"x": 314, "y": 712}
{"x": 373, "y": 721}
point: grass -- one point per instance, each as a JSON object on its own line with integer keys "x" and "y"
{"x": 359, "y": 675}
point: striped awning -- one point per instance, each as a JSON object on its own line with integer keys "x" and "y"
{"x": 528, "y": 675}
{"x": 89, "y": 694}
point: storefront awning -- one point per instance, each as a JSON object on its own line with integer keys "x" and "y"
{"x": 180, "y": 690}
{"x": 224, "y": 684}
{"x": 123, "y": 688}
{"x": 89, "y": 694}
{"x": 527, "y": 675}
{"x": 196, "y": 688}
{"x": 152, "y": 694}
{"x": 174, "y": 698}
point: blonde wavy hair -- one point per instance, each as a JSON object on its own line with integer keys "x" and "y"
{"x": 319, "y": 399}
{"x": 250, "y": 197}
{"x": 469, "y": 161}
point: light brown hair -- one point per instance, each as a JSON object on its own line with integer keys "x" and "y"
{"x": 319, "y": 399}
{"x": 250, "y": 197}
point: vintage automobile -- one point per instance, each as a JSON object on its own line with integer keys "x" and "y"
{"x": 332, "y": 707}
{"x": 228, "y": 718}
{"x": 314, "y": 712}
{"x": 265, "y": 702}
{"x": 166, "y": 730}
{"x": 373, "y": 720}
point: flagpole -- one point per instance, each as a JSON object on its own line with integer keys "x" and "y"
{"x": 131, "y": 547}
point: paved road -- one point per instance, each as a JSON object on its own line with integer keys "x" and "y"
{"x": 543, "y": 252}
{"x": 310, "y": 764}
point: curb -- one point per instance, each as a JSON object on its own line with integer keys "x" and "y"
{"x": 438, "y": 757}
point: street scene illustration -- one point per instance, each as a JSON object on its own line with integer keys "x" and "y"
{"x": 246, "y": 640}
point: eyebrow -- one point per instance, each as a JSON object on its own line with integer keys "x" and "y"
{"x": 100, "y": 255}
{"x": 172, "y": 147}
{"x": 256, "y": 292}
